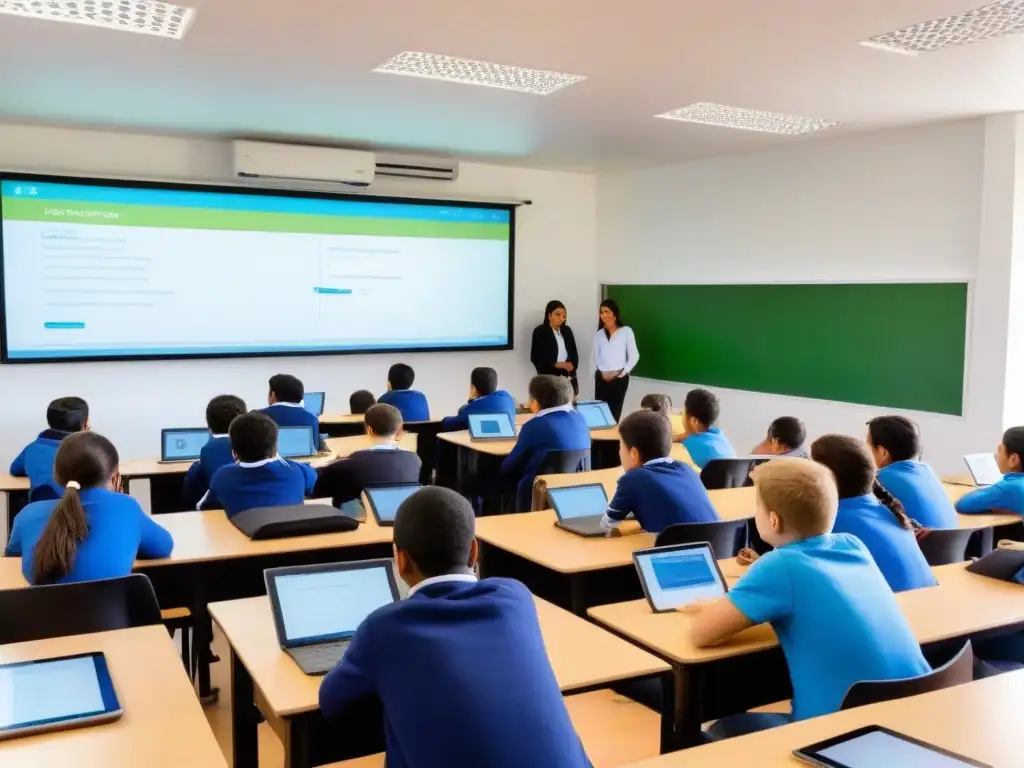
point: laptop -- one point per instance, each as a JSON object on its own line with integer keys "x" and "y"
{"x": 384, "y": 500}
{"x": 579, "y": 508}
{"x": 491, "y": 426}
{"x": 182, "y": 444}
{"x": 872, "y": 746}
{"x": 297, "y": 442}
{"x": 314, "y": 403}
{"x": 983, "y": 469}
{"x": 679, "y": 575}
{"x": 597, "y": 415}
{"x": 317, "y": 608}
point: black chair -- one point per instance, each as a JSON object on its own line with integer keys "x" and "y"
{"x": 58, "y": 610}
{"x": 726, "y": 537}
{"x": 959, "y": 670}
{"x": 555, "y": 463}
{"x": 719, "y": 474}
{"x": 945, "y": 546}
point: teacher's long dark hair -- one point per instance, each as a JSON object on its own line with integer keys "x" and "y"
{"x": 551, "y": 307}
{"x": 612, "y": 306}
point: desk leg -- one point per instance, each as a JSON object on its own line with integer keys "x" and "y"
{"x": 578, "y": 594}
{"x": 244, "y": 720}
{"x": 687, "y": 707}
{"x": 297, "y": 753}
{"x": 202, "y": 637}
{"x": 669, "y": 707}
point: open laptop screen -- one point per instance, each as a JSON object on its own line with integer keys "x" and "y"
{"x": 314, "y": 403}
{"x": 679, "y": 575}
{"x": 983, "y": 468}
{"x": 183, "y": 444}
{"x": 597, "y": 415}
{"x": 491, "y": 426}
{"x": 386, "y": 500}
{"x": 295, "y": 441}
{"x": 578, "y": 501}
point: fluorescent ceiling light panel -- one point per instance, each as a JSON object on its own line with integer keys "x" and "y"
{"x": 998, "y": 19}
{"x": 437, "y": 67}
{"x": 147, "y": 18}
{"x": 747, "y": 119}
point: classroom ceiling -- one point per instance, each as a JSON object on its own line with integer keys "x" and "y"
{"x": 302, "y": 69}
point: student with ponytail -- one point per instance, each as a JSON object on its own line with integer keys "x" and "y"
{"x": 872, "y": 514}
{"x": 92, "y": 531}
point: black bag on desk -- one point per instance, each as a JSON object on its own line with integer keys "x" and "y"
{"x": 294, "y": 520}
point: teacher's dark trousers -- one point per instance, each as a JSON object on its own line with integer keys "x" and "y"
{"x": 612, "y": 392}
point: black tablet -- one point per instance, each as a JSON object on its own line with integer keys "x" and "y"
{"x": 874, "y": 746}
{"x": 55, "y": 694}
{"x": 1002, "y": 564}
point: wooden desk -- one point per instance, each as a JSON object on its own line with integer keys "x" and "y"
{"x": 342, "y": 424}
{"x": 343, "y": 447}
{"x": 583, "y": 657}
{"x": 978, "y": 720}
{"x": 16, "y": 490}
{"x": 163, "y": 724}
{"x": 961, "y": 606}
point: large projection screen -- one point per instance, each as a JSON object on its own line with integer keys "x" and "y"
{"x": 128, "y": 270}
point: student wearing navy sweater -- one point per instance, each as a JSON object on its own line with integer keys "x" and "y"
{"x": 896, "y": 448}
{"x": 400, "y": 394}
{"x": 64, "y": 416}
{"x": 92, "y": 532}
{"x": 870, "y": 513}
{"x": 702, "y": 439}
{"x": 1008, "y": 494}
{"x": 484, "y": 397}
{"x": 786, "y": 437}
{"x": 460, "y": 665}
{"x": 259, "y": 478}
{"x": 286, "y": 409}
{"x": 555, "y": 426}
{"x": 656, "y": 490}
{"x": 220, "y": 412}
{"x": 360, "y": 401}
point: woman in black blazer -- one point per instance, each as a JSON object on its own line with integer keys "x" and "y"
{"x": 553, "y": 350}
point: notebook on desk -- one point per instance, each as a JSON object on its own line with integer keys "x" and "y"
{"x": 580, "y": 508}
{"x": 182, "y": 444}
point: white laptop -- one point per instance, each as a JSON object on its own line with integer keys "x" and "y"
{"x": 983, "y": 468}
{"x": 491, "y": 426}
{"x": 679, "y": 575}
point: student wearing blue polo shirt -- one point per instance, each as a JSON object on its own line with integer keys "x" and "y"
{"x": 656, "y": 490}
{"x": 484, "y": 397}
{"x": 91, "y": 532}
{"x": 702, "y": 439}
{"x": 1008, "y": 494}
{"x": 259, "y": 478}
{"x": 220, "y": 412}
{"x": 836, "y": 619}
{"x": 400, "y": 394}
{"x": 786, "y": 437}
{"x": 896, "y": 448}
{"x": 285, "y": 404}
{"x": 869, "y": 512}
{"x": 64, "y": 416}
{"x": 460, "y": 665}
{"x": 555, "y": 426}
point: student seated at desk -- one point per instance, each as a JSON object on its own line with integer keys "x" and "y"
{"x": 260, "y": 478}
{"x": 1008, "y": 494}
{"x": 286, "y": 408}
{"x": 656, "y": 490}
{"x": 64, "y": 416}
{"x": 702, "y": 438}
{"x": 383, "y": 463}
{"x": 836, "y": 619}
{"x": 91, "y": 532}
{"x": 220, "y": 412}
{"x": 555, "y": 426}
{"x": 869, "y": 512}
{"x": 896, "y": 447}
{"x": 786, "y": 437}
{"x": 360, "y": 401}
{"x": 657, "y": 403}
{"x": 484, "y": 397}
{"x": 460, "y": 665}
{"x": 400, "y": 394}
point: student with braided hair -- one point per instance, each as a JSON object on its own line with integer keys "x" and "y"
{"x": 872, "y": 514}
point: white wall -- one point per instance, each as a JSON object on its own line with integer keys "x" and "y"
{"x": 913, "y": 205}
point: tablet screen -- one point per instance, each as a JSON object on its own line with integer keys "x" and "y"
{"x": 675, "y": 577}
{"x": 983, "y": 468}
{"x": 578, "y": 501}
{"x": 295, "y": 441}
{"x": 314, "y": 402}
{"x": 181, "y": 444}
{"x": 387, "y": 499}
{"x": 596, "y": 415}
{"x": 491, "y": 425}
{"x": 36, "y": 693}
{"x": 877, "y": 747}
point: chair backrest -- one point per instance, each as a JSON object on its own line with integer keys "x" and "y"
{"x": 725, "y": 536}
{"x": 38, "y": 613}
{"x": 565, "y": 462}
{"x": 728, "y": 473}
{"x": 945, "y": 546}
{"x": 955, "y": 672}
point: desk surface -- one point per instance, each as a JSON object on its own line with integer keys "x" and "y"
{"x": 504, "y": 447}
{"x": 9, "y": 482}
{"x": 581, "y": 654}
{"x": 962, "y": 604}
{"x": 343, "y": 447}
{"x": 978, "y": 720}
{"x": 163, "y": 724}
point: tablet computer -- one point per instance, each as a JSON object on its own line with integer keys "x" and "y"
{"x": 597, "y": 415}
{"x": 679, "y": 575}
{"x": 491, "y": 426}
{"x": 314, "y": 403}
{"x": 983, "y": 469}
{"x": 56, "y": 694}
{"x": 1002, "y": 564}
{"x": 182, "y": 444}
{"x": 384, "y": 500}
{"x": 873, "y": 746}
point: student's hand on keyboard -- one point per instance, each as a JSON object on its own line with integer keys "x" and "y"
{"x": 747, "y": 556}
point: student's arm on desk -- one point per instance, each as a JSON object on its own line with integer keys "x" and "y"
{"x": 983, "y": 500}
{"x": 352, "y": 679}
{"x": 763, "y": 594}
{"x": 18, "y": 465}
{"x": 155, "y": 541}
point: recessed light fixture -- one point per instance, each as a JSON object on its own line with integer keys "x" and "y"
{"x": 998, "y": 19}
{"x": 747, "y": 119}
{"x": 437, "y": 67}
{"x": 147, "y": 18}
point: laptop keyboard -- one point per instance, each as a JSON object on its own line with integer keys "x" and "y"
{"x": 320, "y": 657}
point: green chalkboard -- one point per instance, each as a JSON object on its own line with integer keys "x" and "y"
{"x": 889, "y": 344}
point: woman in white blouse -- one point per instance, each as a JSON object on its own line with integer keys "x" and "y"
{"x": 615, "y": 355}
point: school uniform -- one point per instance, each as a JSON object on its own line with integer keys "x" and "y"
{"x": 214, "y": 455}
{"x": 412, "y": 404}
{"x": 119, "y": 532}
{"x": 272, "y": 482}
{"x": 893, "y": 547}
{"x": 36, "y": 463}
{"x": 496, "y": 402}
{"x": 463, "y": 676}
{"x": 703, "y": 447}
{"x": 386, "y": 464}
{"x": 553, "y": 429}
{"x": 836, "y": 619}
{"x": 293, "y": 415}
{"x": 916, "y": 487}
{"x": 661, "y": 493}
{"x": 1007, "y": 494}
